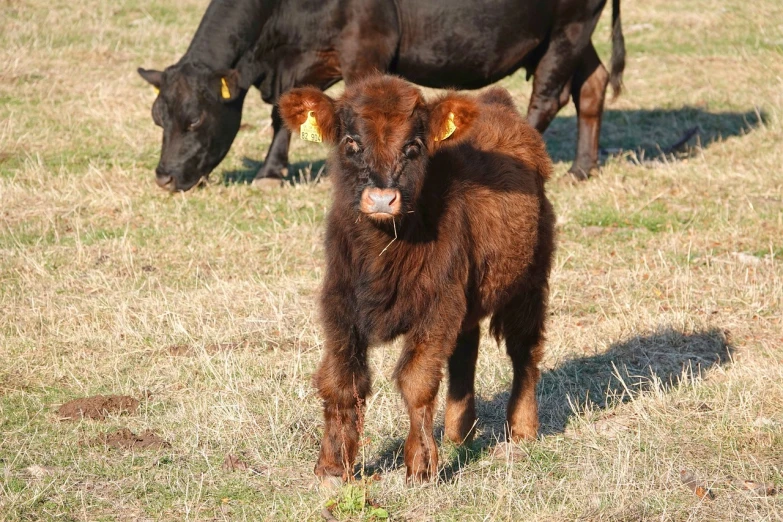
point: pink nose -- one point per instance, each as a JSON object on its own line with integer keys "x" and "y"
{"x": 380, "y": 201}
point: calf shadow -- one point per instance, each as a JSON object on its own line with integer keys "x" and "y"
{"x": 626, "y": 370}
{"x": 654, "y": 134}
{"x": 301, "y": 172}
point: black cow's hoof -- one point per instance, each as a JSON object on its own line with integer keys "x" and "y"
{"x": 267, "y": 183}
{"x": 576, "y": 175}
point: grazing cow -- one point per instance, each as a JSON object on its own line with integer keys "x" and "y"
{"x": 438, "y": 219}
{"x": 276, "y": 46}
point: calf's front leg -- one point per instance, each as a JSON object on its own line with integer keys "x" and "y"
{"x": 343, "y": 382}
{"x": 418, "y": 374}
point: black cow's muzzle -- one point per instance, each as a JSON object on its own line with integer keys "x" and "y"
{"x": 164, "y": 180}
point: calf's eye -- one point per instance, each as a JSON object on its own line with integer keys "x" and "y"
{"x": 351, "y": 146}
{"x": 411, "y": 150}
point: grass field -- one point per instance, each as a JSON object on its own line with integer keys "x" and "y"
{"x": 665, "y": 344}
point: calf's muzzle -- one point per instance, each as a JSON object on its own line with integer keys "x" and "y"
{"x": 380, "y": 203}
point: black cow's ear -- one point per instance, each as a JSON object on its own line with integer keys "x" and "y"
{"x": 228, "y": 84}
{"x": 309, "y": 112}
{"x": 153, "y": 77}
{"x": 451, "y": 116}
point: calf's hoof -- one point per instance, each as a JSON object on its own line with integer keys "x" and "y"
{"x": 328, "y": 486}
{"x": 460, "y": 430}
{"x": 523, "y": 433}
{"x": 419, "y": 469}
{"x": 417, "y": 477}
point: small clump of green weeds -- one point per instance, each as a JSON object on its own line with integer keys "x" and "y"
{"x": 354, "y": 500}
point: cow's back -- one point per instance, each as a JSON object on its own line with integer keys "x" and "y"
{"x": 469, "y": 44}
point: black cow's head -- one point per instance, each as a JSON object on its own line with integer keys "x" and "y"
{"x": 384, "y": 134}
{"x": 200, "y": 111}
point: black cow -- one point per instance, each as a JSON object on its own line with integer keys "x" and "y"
{"x": 277, "y": 45}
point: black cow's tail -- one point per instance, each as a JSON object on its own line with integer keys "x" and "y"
{"x": 618, "y": 51}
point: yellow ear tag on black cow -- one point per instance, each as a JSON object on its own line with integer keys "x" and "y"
{"x": 448, "y": 129}
{"x": 224, "y": 90}
{"x": 309, "y": 130}
{"x": 157, "y": 91}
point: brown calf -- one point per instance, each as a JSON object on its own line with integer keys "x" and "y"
{"x": 439, "y": 218}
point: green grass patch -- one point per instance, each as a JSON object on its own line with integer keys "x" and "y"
{"x": 655, "y": 218}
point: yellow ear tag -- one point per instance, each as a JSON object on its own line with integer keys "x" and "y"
{"x": 309, "y": 130}
{"x": 224, "y": 91}
{"x": 449, "y": 129}
{"x": 157, "y": 91}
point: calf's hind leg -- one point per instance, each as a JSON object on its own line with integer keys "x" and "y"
{"x": 461, "y": 401}
{"x": 522, "y": 324}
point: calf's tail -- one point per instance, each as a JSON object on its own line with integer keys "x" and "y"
{"x": 618, "y": 51}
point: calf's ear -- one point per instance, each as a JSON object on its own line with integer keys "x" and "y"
{"x": 153, "y": 77}
{"x": 310, "y": 113}
{"x": 228, "y": 85}
{"x": 450, "y": 117}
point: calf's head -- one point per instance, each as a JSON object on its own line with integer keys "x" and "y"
{"x": 200, "y": 111}
{"x": 383, "y": 133}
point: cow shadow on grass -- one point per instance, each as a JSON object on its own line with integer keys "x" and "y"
{"x": 643, "y": 364}
{"x": 301, "y": 172}
{"x": 650, "y": 135}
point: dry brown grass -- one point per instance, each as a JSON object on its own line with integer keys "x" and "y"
{"x": 665, "y": 332}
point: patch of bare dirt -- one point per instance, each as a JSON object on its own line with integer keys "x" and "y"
{"x": 212, "y": 349}
{"x": 37, "y": 471}
{"x": 183, "y": 350}
{"x": 126, "y": 439}
{"x": 698, "y": 487}
{"x": 98, "y": 407}
{"x": 763, "y": 489}
{"x": 179, "y": 350}
{"x": 235, "y": 463}
{"x": 591, "y": 231}
{"x": 612, "y": 425}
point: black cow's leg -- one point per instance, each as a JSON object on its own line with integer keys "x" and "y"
{"x": 589, "y": 91}
{"x": 550, "y": 87}
{"x": 275, "y": 165}
{"x": 364, "y": 45}
{"x": 461, "y": 400}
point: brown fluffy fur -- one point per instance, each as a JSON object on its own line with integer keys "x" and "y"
{"x": 474, "y": 239}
